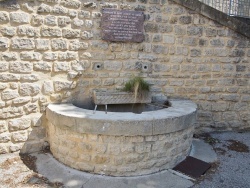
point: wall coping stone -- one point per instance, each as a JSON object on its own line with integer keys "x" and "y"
{"x": 216, "y": 15}
{"x": 179, "y": 116}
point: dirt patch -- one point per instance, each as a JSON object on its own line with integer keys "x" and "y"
{"x": 237, "y": 146}
{"x": 29, "y": 161}
{"x": 207, "y": 138}
{"x": 220, "y": 151}
{"x": 7, "y": 163}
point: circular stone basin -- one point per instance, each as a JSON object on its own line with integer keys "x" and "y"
{"x": 121, "y": 143}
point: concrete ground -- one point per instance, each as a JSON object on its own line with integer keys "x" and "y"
{"x": 229, "y": 154}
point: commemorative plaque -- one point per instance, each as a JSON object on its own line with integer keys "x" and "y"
{"x": 122, "y": 25}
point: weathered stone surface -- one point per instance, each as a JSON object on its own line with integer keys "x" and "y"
{"x": 62, "y": 86}
{"x": 8, "y": 56}
{"x": 77, "y": 22}
{"x": 70, "y": 33}
{"x": 50, "y": 56}
{"x": 59, "y": 44}
{"x": 68, "y": 55}
{"x": 71, "y": 3}
{"x": 37, "y": 20}
{"x": 19, "y": 17}
{"x": 19, "y": 124}
{"x": 8, "y": 31}
{"x": 9, "y": 94}
{"x": 48, "y": 87}
{"x": 4, "y": 66}
{"x": 43, "y": 8}
{"x": 3, "y": 127}
{"x": 51, "y": 32}
{"x": 9, "y": 77}
{"x": 4, "y": 17}
{"x": 60, "y": 10}
{"x": 28, "y": 31}
{"x": 50, "y": 20}
{"x": 29, "y": 78}
{"x": 75, "y": 45}
{"x": 31, "y": 56}
{"x": 20, "y": 136}
{"x": 5, "y": 137}
{"x": 84, "y": 14}
{"x": 42, "y": 66}
{"x": 86, "y": 35}
{"x": 4, "y": 43}
{"x": 21, "y": 100}
{"x": 23, "y": 44}
{"x": 64, "y": 21}
{"x": 80, "y": 65}
{"x": 28, "y": 89}
{"x": 21, "y": 67}
{"x": 42, "y": 44}
{"x": 61, "y": 66}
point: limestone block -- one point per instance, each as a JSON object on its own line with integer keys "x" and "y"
{"x": 3, "y": 149}
{"x": 20, "y": 136}
{"x": 60, "y": 10}
{"x": 61, "y": 86}
{"x": 76, "y": 45}
{"x": 37, "y": 20}
{"x": 83, "y": 14}
{"x": 43, "y": 8}
{"x": 48, "y": 87}
{"x": 31, "y": 56}
{"x": 30, "y": 108}
{"x": 36, "y": 121}
{"x": 77, "y": 22}
{"x": 217, "y": 42}
{"x": 190, "y": 41}
{"x": 4, "y": 43}
{"x": 15, "y": 147}
{"x": 3, "y": 86}
{"x": 86, "y": 35}
{"x": 3, "y": 127}
{"x": 51, "y": 32}
{"x": 28, "y": 31}
{"x": 63, "y": 21}
{"x": 237, "y": 53}
{"x": 42, "y": 44}
{"x": 50, "y": 20}
{"x": 112, "y": 66}
{"x": 21, "y": 100}
{"x": 11, "y": 112}
{"x": 61, "y": 66}
{"x": 50, "y": 56}
{"x": 9, "y": 77}
{"x": 21, "y": 67}
{"x": 72, "y": 13}
{"x": 22, "y": 44}
{"x": 4, "y": 17}
{"x": 9, "y": 94}
{"x": 5, "y": 137}
{"x": 8, "y": 31}
{"x": 91, "y": 5}
{"x": 71, "y": 33}
{"x": 109, "y": 5}
{"x": 75, "y": 4}
{"x": 19, "y": 124}
{"x": 59, "y": 44}
{"x": 27, "y": 89}
{"x": 42, "y": 66}
{"x": 8, "y": 56}
{"x": 29, "y": 78}
{"x": 89, "y": 23}
{"x": 4, "y": 66}
{"x": 67, "y": 55}
{"x": 80, "y": 65}
{"x": 27, "y": 7}
{"x": 19, "y": 17}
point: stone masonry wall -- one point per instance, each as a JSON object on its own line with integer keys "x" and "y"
{"x": 51, "y": 51}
